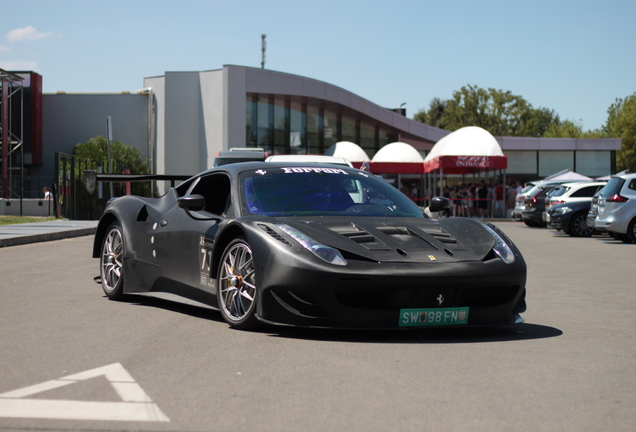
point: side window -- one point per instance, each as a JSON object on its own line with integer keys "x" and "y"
{"x": 183, "y": 188}
{"x": 215, "y": 188}
{"x": 632, "y": 184}
{"x": 586, "y": 192}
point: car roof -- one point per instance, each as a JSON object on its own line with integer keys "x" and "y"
{"x": 584, "y": 184}
{"x": 627, "y": 176}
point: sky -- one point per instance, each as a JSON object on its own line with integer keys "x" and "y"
{"x": 575, "y": 57}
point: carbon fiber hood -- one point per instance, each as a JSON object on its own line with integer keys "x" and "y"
{"x": 399, "y": 239}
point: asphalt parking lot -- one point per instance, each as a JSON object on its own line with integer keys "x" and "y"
{"x": 73, "y": 360}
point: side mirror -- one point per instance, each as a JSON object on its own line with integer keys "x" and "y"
{"x": 192, "y": 202}
{"x": 439, "y": 204}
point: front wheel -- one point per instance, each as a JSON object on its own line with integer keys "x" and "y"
{"x": 578, "y": 226}
{"x": 111, "y": 262}
{"x": 237, "y": 289}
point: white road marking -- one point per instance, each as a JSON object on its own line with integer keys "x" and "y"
{"x": 136, "y": 405}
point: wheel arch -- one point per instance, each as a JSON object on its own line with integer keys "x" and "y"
{"x": 631, "y": 229}
{"x": 102, "y": 226}
{"x": 229, "y": 233}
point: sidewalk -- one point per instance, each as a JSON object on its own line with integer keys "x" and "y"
{"x": 20, "y": 234}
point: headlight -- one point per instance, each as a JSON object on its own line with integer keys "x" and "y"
{"x": 501, "y": 248}
{"x": 324, "y": 252}
{"x": 564, "y": 210}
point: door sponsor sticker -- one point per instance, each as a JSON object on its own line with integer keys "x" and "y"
{"x": 433, "y": 317}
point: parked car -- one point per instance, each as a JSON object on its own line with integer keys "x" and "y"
{"x": 336, "y": 160}
{"x": 569, "y": 193}
{"x": 591, "y": 215}
{"x": 520, "y": 206}
{"x": 240, "y": 154}
{"x": 534, "y": 205}
{"x": 617, "y": 208}
{"x": 519, "y": 200}
{"x": 571, "y": 218}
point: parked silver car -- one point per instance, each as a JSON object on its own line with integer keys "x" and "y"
{"x": 617, "y": 208}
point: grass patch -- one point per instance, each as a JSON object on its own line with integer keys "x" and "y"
{"x": 12, "y": 220}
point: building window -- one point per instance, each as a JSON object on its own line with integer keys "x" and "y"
{"x": 289, "y": 125}
{"x": 349, "y": 129}
{"x": 313, "y": 130}
{"x": 367, "y": 137}
{"x": 331, "y": 128}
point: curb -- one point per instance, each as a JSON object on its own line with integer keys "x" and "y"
{"x": 38, "y": 238}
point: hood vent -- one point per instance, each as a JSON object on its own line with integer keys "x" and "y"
{"x": 396, "y": 236}
{"x": 274, "y": 234}
{"x": 365, "y": 239}
{"x": 442, "y": 236}
{"x": 362, "y": 237}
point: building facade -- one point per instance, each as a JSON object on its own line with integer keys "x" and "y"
{"x": 181, "y": 120}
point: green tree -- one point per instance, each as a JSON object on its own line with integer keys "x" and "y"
{"x": 122, "y": 155}
{"x": 621, "y": 123}
{"x": 499, "y": 112}
{"x": 434, "y": 114}
{"x": 570, "y": 129}
{"x": 564, "y": 129}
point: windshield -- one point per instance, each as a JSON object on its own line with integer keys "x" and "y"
{"x": 314, "y": 191}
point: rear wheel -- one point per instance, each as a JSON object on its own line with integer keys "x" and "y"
{"x": 578, "y": 226}
{"x": 237, "y": 288}
{"x": 111, "y": 262}
{"x": 631, "y": 231}
{"x": 622, "y": 237}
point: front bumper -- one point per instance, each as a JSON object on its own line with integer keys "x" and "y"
{"x": 371, "y": 295}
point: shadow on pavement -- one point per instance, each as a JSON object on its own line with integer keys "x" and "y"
{"x": 430, "y": 335}
{"x": 446, "y": 335}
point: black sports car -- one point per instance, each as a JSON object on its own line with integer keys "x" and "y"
{"x": 309, "y": 245}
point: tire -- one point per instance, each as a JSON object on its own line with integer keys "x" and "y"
{"x": 111, "y": 262}
{"x": 631, "y": 232}
{"x": 622, "y": 237}
{"x": 578, "y": 226}
{"x": 236, "y": 286}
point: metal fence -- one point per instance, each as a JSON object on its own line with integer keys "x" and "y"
{"x": 71, "y": 197}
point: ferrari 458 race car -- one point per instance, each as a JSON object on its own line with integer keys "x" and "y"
{"x": 309, "y": 245}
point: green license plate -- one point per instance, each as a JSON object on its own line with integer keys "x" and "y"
{"x": 433, "y": 317}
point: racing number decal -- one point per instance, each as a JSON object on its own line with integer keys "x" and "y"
{"x": 206, "y": 258}
{"x": 205, "y": 262}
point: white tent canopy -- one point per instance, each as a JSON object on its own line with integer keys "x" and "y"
{"x": 398, "y": 152}
{"x": 567, "y": 175}
{"x": 468, "y": 150}
{"x": 467, "y": 141}
{"x": 348, "y": 150}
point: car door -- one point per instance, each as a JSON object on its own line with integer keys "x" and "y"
{"x": 188, "y": 237}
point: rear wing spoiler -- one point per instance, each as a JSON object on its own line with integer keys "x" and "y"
{"x": 91, "y": 177}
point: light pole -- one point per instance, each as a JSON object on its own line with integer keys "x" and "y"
{"x": 263, "y": 45}
{"x": 399, "y": 109}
